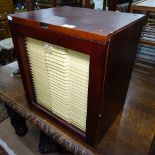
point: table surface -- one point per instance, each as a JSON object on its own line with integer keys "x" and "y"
{"x": 131, "y": 132}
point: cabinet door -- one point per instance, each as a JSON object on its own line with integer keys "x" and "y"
{"x": 62, "y": 76}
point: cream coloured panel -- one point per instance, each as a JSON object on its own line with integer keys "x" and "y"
{"x": 60, "y": 78}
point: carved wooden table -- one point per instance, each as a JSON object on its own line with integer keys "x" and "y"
{"x": 143, "y": 5}
{"x": 12, "y": 94}
{"x": 129, "y": 133}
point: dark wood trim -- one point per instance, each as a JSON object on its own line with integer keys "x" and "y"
{"x": 130, "y": 3}
{"x": 87, "y": 4}
{"x": 30, "y": 5}
{"x": 96, "y": 76}
{"x": 112, "y": 5}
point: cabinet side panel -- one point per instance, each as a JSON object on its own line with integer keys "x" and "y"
{"x": 122, "y": 53}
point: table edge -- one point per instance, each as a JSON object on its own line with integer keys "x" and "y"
{"x": 66, "y": 142}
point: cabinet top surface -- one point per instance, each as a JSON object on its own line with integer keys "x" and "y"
{"x": 82, "y": 22}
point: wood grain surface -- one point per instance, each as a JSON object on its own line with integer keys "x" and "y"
{"x": 89, "y": 24}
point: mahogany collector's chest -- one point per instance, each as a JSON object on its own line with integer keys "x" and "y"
{"x": 76, "y": 65}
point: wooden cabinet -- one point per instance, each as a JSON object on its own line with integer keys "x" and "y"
{"x": 6, "y": 6}
{"x": 76, "y": 65}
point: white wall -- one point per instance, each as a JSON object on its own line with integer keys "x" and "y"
{"x": 98, "y": 4}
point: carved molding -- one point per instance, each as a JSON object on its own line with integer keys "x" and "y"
{"x": 67, "y": 143}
